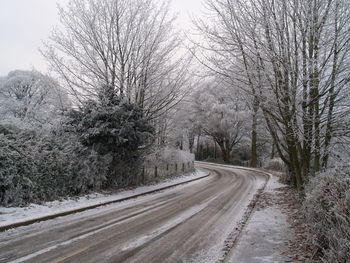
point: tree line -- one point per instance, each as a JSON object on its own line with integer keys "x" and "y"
{"x": 291, "y": 59}
{"x": 114, "y": 79}
{"x": 269, "y": 74}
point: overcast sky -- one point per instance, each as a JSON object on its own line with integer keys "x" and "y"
{"x": 25, "y": 23}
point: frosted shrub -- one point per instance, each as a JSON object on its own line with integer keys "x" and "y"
{"x": 16, "y": 182}
{"x": 115, "y": 131}
{"x": 89, "y": 172}
{"x": 67, "y": 168}
{"x": 170, "y": 156}
{"x": 35, "y": 168}
{"x": 169, "y": 162}
{"x": 95, "y": 149}
{"x": 274, "y": 164}
{"x": 327, "y": 207}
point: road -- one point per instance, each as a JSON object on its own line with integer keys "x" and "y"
{"x": 183, "y": 224}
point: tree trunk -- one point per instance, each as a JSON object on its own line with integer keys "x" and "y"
{"x": 226, "y": 156}
{"x": 198, "y": 146}
{"x": 191, "y": 141}
{"x": 272, "y": 156}
{"x": 332, "y": 95}
{"x": 215, "y": 150}
{"x": 254, "y": 154}
{"x": 226, "y": 153}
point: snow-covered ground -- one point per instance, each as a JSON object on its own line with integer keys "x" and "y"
{"x": 19, "y": 214}
{"x": 267, "y": 231}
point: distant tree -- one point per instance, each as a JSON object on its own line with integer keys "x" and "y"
{"x": 222, "y": 116}
{"x": 30, "y": 96}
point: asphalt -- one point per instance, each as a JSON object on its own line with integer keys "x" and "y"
{"x": 188, "y": 223}
{"x": 82, "y": 209}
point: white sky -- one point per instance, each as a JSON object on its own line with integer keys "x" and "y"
{"x": 25, "y": 23}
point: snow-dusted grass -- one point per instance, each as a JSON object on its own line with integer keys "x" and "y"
{"x": 327, "y": 210}
{"x": 273, "y": 184}
{"x": 19, "y": 214}
{"x": 275, "y": 164}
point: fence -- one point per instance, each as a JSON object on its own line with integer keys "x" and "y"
{"x": 154, "y": 172}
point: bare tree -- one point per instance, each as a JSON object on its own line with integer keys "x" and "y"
{"x": 289, "y": 56}
{"x": 30, "y": 96}
{"x": 128, "y": 46}
{"x": 221, "y": 116}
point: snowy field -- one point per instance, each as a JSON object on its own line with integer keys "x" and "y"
{"x": 19, "y": 214}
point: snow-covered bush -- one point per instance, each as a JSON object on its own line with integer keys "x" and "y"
{"x": 169, "y": 162}
{"x": 327, "y": 208}
{"x": 170, "y": 155}
{"x": 92, "y": 149}
{"x": 67, "y": 168}
{"x": 274, "y": 164}
{"x": 38, "y": 167}
{"x": 16, "y": 170}
{"x": 115, "y": 130}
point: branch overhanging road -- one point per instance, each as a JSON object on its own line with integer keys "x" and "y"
{"x": 187, "y": 223}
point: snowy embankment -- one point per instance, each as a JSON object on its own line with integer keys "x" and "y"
{"x": 12, "y": 215}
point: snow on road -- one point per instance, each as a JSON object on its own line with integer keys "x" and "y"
{"x": 19, "y": 214}
{"x": 180, "y": 218}
{"x": 165, "y": 217}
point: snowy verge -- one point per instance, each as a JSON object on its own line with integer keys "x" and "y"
{"x": 14, "y": 216}
{"x": 233, "y": 238}
{"x": 265, "y": 234}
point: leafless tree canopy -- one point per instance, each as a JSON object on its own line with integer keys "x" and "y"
{"x": 30, "y": 97}
{"x": 130, "y": 46}
{"x": 292, "y": 57}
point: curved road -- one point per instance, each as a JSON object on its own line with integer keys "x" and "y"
{"x": 186, "y": 223}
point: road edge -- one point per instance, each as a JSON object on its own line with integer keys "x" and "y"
{"x": 82, "y": 209}
{"x": 234, "y": 236}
